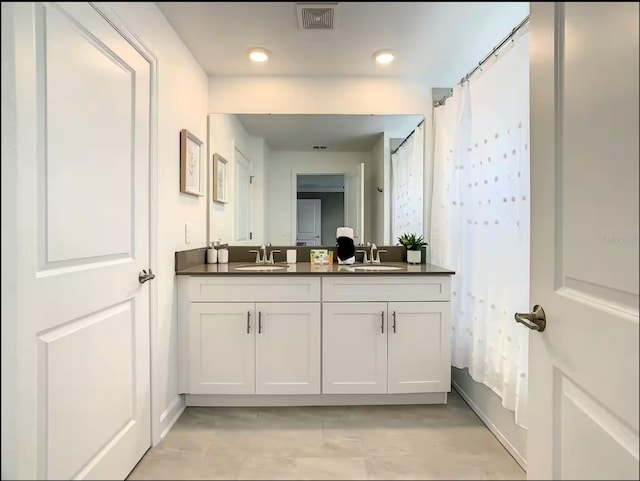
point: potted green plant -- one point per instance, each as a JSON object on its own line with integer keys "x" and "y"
{"x": 414, "y": 245}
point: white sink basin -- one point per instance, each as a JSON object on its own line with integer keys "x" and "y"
{"x": 373, "y": 267}
{"x": 260, "y": 267}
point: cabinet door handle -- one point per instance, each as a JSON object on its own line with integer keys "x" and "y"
{"x": 382, "y": 321}
{"x": 248, "y": 322}
{"x": 394, "y": 322}
{"x": 259, "y": 322}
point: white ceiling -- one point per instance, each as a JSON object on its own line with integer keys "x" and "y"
{"x": 437, "y": 42}
{"x": 340, "y": 133}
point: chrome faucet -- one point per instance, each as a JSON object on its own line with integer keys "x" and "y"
{"x": 264, "y": 255}
{"x": 260, "y": 259}
{"x": 269, "y": 259}
{"x": 365, "y": 259}
{"x": 375, "y": 254}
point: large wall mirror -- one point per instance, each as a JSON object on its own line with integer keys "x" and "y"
{"x": 292, "y": 179}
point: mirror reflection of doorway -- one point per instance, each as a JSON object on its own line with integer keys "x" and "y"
{"x": 319, "y": 208}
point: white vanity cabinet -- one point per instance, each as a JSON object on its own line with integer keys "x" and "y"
{"x": 418, "y": 352}
{"x": 400, "y": 346}
{"x": 220, "y": 349}
{"x": 354, "y": 348}
{"x": 249, "y": 347}
{"x": 314, "y": 339}
{"x": 288, "y": 348}
{"x": 380, "y": 348}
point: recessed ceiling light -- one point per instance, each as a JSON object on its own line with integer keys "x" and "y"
{"x": 384, "y": 56}
{"x": 258, "y": 54}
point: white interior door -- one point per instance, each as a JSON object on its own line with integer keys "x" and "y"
{"x": 288, "y": 348}
{"x": 309, "y": 221}
{"x": 83, "y": 110}
{"x": 243, "y": 199}
{"x": 583, "y": 405}
{"x": 354, "y": 202}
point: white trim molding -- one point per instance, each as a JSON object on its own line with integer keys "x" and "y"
{"x": 519, "y": 457}
{"x": 170, "y": 415}
{"x": 257, "y": 400}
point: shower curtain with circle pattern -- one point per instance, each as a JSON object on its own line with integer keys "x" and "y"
{"x": 480, "y": 220}
{"x": 407, "y": 186}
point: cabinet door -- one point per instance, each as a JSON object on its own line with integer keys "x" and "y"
{"x": 221, "y": 348}
{"x": 419, "y": 351}
{"x": 288, "y": 348}
{"x": 354, "y": 348}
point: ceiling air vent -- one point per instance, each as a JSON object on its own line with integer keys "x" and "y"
{"x": 316, "y": 16}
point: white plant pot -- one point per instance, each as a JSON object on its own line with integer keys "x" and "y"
{"x": 414, "y": 257}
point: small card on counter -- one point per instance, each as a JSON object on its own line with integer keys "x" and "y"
{"x": 320, "y": 257}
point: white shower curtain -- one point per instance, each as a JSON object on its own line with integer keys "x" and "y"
{"x": 407, "y": 166}
{"x": 480, "y": 220}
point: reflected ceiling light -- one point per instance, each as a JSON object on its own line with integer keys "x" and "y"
{"x": 258, "y": 54}
{"x": 384, "y": 56}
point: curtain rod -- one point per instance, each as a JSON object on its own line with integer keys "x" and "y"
{"x": 407, "y": 137}
{"x": 486, "y": 58}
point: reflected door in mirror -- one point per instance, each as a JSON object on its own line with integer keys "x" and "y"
{"x": 309, "y": 222}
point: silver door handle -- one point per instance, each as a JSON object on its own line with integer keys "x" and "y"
{"x": 382, "y": 321}
{"x": 259, "y": 322}
{"x": 536, "y": 320}
{"x": 145, "y": 276}
{"x": 394, "y": 322}
{"x": 248, "y": 322}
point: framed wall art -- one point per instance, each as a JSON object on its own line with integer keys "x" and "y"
{"x": 220, "y": 179}
{"x": 191, "y": 164}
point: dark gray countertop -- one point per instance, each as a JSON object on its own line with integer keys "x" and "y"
{"x": 305, "y": 269}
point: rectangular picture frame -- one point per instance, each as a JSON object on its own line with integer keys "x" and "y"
{"x": 220, "y": 179}
{"x": 191, "y": 164}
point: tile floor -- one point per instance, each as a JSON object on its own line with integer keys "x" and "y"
{"x": 356, "y": 442}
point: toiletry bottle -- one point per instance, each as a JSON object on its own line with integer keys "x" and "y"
{"x": 212, "y": 254}
{"x": 223, "y": 255}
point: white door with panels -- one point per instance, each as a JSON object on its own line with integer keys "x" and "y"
{"x": 244, "y": 202}
{"x": 288, "y": 348}
{"x": 354, "y": 202}
{"x": 583, "y": 384}
{"x": 83, "y": 113}
{"x": 309, "y": 222}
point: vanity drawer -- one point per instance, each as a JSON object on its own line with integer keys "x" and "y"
{"x": 387, "y": 288}
{"x": 254, "y": 289}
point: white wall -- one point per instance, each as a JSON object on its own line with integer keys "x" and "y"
{"x": 280, "y": 185}
{"x": 488, "y": 406}
{"x": 182, "y": 104}
{"x": 345, "y": 95}
{"x": 226, "y": 134}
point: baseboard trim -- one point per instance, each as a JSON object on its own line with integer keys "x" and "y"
{"x": 170, "y": 415}
{"x": 257, "y": 400}
{"x": 492, "y": 427}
